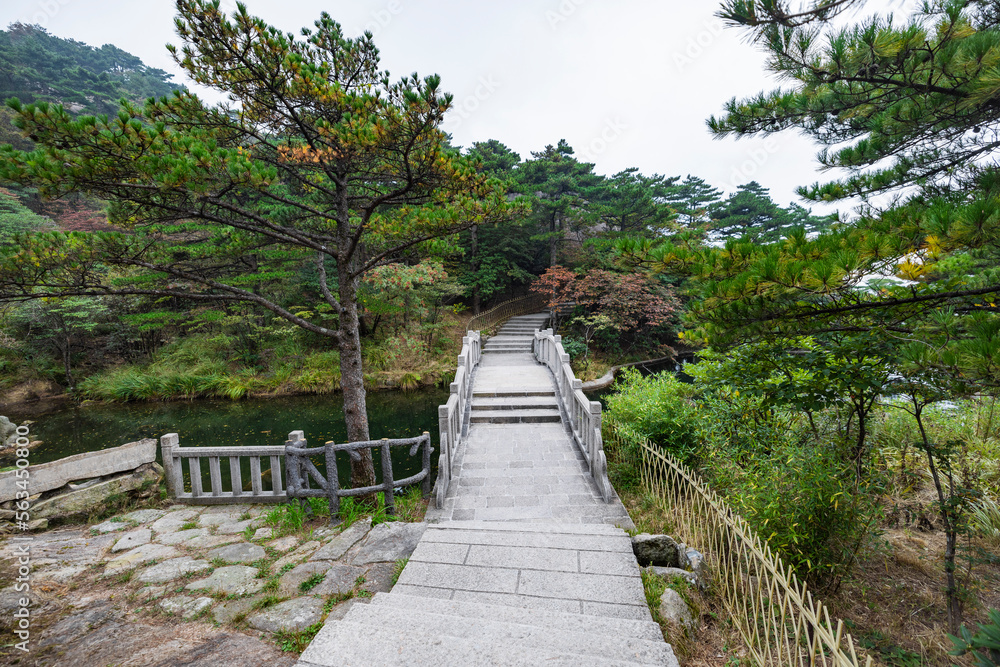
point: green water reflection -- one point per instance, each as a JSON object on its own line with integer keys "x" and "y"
{"x": 253, "y": 422}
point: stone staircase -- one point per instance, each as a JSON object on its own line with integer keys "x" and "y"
{"x": 485, "y": 593}
{"x": 514, "y": 406}
{"x": 515, "y": 336}
{"x": 524, "y": 563}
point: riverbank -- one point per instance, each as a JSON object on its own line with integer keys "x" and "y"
{"x": 203, "y": 366}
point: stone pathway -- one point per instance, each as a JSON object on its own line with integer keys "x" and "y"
{"x": 524, "y": 564}
{"x": 92, "y": 585}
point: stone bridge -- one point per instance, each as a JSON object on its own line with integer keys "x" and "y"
{"x": 526, "y": 561}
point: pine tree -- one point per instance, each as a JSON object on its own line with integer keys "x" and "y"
{"x": 556, "y": 184}
{"x": 692, "y": 198}
{"x": 320, "y": 157}
{"x": 631, "y": 203}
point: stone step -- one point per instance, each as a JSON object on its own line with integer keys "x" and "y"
{"x": 505, "y": 351}
{"x": 504, "y": 633}
{"x": 494, "y": 347}
{"x": 522, "y": 403}
{"x": 485, "y": 393}
{"x": 555, "y": 528}
{"x": 555, "y": 620}
{"x": 540, "y": 416}
{"x": 354, "y": 645}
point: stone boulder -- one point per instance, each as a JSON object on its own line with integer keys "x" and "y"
{"x": 230, "y": 580}
{"x": 338, "y": 546}
{"x": 8, "y": 432}
{"x": 89, "y": 499}
{"x": 660, "y": 550}
{"x": 669, "y": 573}
{"x": 675, "y": 610}
{"x": 291, "y": 616}
{"x": 388, "y": 542}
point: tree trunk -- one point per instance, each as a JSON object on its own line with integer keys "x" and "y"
{"x": 473, "y": 248}
{"x": 66, "y": 363}
{"x": 950, "y": 529}
{"x": 352, "y": 381}
{"x": 554, "y": 240}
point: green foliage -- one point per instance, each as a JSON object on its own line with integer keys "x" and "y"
{"x": 574, "y": 347}
{"x": 16, "y": 219}
{"x": 312, "y": 582}
{"x": 630, "y": 203}
{"x": 888, "y": 651}
{"x": 398, "y": 569}
{"x": 557, "y": 186}
{"x": 984, "y": 645}
{"x": 296, "y": 642}
{"x": 658, "y": 408}
{"x": 653, "y": 586}
{"x": 750, "y": 213}
{"x": 286, "y": 518}
{"x": 802, "y": 500}
{"x": 984, "y": 516}
{"x": 749, "y": 428}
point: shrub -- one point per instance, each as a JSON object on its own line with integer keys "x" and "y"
{"x": 802, "y": 499}
{"x": 987, "y": 639}
{"x": 574, "y": 347}
{"x": 659, "y": 408}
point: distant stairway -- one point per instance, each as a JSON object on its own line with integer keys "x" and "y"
{"x": 516, "y": 335}
{"x": 515, "y": 406}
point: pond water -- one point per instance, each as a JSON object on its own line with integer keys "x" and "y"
{"x": 74, "y": 429}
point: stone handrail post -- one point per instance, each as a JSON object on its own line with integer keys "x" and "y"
{"x": 451, "y": 415}
{"x": 584, "y": 415}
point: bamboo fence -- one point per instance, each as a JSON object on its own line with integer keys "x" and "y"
{"x": 780, "y": 622}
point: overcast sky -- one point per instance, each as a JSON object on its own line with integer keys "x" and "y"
{"x": 627, "y": 83}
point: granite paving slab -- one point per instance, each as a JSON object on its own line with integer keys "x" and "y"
{"x": 132, "y": 539}
{"x": 230, "y": 580}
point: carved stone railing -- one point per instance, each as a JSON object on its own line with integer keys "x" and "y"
{"x": 303, "y": 473}
{"x": 173, "y": 465}
{"x": 451, "y": 415}
{"x": 584, "y": 415}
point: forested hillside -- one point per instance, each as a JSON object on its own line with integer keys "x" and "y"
{"x": 38, "y": 67}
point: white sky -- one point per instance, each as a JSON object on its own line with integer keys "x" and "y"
{"x": 629, "y": 83}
